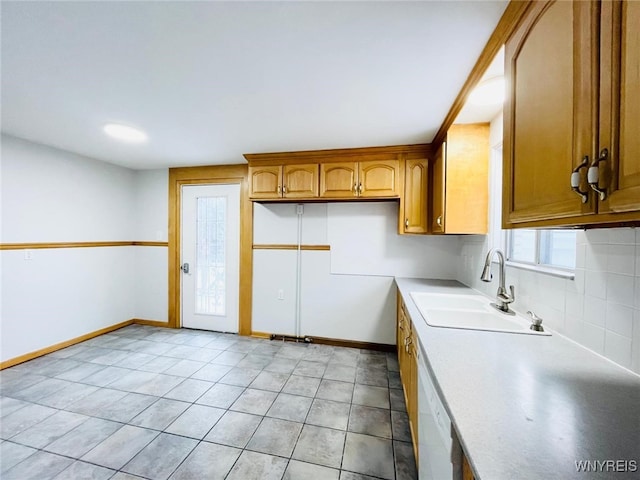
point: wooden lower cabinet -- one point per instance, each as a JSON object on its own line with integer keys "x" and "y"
{"x": 408, "y": 352}
{"x": 407, "y": 343}
{"x": 467, "y": 473}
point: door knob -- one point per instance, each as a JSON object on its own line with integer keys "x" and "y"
{"x": 185, "y": 267}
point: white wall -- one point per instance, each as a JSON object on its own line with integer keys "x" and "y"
{"x": 49, "y": 196}
{"x": 347, "y": 292}
{"x": 53, "y": 196}
{"x": 62, "y": 294}
{"x": 600, "y": 309}
{"x": 151, "y": 263}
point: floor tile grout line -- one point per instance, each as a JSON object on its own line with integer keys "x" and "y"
{"x": 358, "y": 367}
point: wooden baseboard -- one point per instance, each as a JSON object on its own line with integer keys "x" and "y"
{"x": 152, "y": 323}
{"x": 261, "y": 334}
{"x": 336, "y": 342}
{"x": 382, "y": 347}
{"x": 87, "y": 336}
{"x": 59, "y": 346}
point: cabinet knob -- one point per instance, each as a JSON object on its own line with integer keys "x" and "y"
{"x": 439, "y": 220}
{"x": 406, "y": 223}
{"x": 575, "y": 179}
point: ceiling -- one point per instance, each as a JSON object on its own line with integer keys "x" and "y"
{"x": 209, "y": 81}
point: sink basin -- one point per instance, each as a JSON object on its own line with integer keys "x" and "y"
{"x": 468, "y": 312}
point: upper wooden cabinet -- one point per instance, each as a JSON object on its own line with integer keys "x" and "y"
{"x": 379, "y": 178}
{"x": 339, "y": 180}
{"x": 571, "y": 115}
{"x": 620, "y": 106}
{"x": 415, "y": 203}
{"x": 345, "y": 174}
{"x": 460, "y": 181}
{"x": 368, "y": 179}
{"x": 288, "y": 181}
{"x": 265, "y": 181}
{"x": 300, "y": 181}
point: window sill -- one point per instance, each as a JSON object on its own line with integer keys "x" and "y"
{"x": 554, "y": 272}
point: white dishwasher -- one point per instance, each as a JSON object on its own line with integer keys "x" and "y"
{"x": 439, "y": 451}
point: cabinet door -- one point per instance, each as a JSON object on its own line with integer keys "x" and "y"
{"x": 379, "y": 178}
{"x": 619, "y": 106}
{"x": 415, "y": 196}
{"x": 265, "y": 182}
{"x": 549, "y": 111}
{"x": 467, "y": 179}
{"x": 300, "y": 181}
{"x": 437, "y": 187}
{"x": 338, "y": 180}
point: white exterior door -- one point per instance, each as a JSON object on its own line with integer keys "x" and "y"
{"x": 210, "y": 257}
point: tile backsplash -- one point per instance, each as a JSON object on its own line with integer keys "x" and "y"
{"x": 599, "y": 309}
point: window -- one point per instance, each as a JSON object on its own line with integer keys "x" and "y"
{"x": 550, "y": 248}
{"x": 210, "y": 256}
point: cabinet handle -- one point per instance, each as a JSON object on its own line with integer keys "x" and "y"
{"x": 400, "y": 323}
{"x": 406, "y": 223}
{"x": 355, "y": 189}
{"x": 284, "y": 189}
{"x": 407, "y": 344}
{"x": 439, "y": 220}
{"x": 575, "y": 179}
{"x": 360, "y": 189}
{"x": 593, "y": 174}
{"x": 279, "y": 189}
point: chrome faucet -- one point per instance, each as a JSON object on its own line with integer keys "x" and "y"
{"x": 503, "y": 299}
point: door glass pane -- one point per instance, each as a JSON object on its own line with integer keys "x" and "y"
{"x": 210, "y": 255}
{"x": 558, "y": 248}
{"x": 522, "y": 247}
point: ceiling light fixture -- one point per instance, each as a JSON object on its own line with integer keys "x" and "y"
{"x": 125, "y": 133}
{"x": 488, "y": 92}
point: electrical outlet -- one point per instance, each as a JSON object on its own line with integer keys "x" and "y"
{"x": 28, "y": 254}
{"x": 280, "y": 294}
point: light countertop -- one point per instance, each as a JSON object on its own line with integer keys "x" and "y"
{"x": 528, "y": 406}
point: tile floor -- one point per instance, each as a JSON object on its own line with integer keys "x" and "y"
{"x": 154, "y": 403}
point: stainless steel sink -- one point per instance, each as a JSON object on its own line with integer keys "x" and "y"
{"x": 468, "y": 312}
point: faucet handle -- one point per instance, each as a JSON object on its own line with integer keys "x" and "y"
{"x": 536, "y": 322}
{"x": 512, "y": 289}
